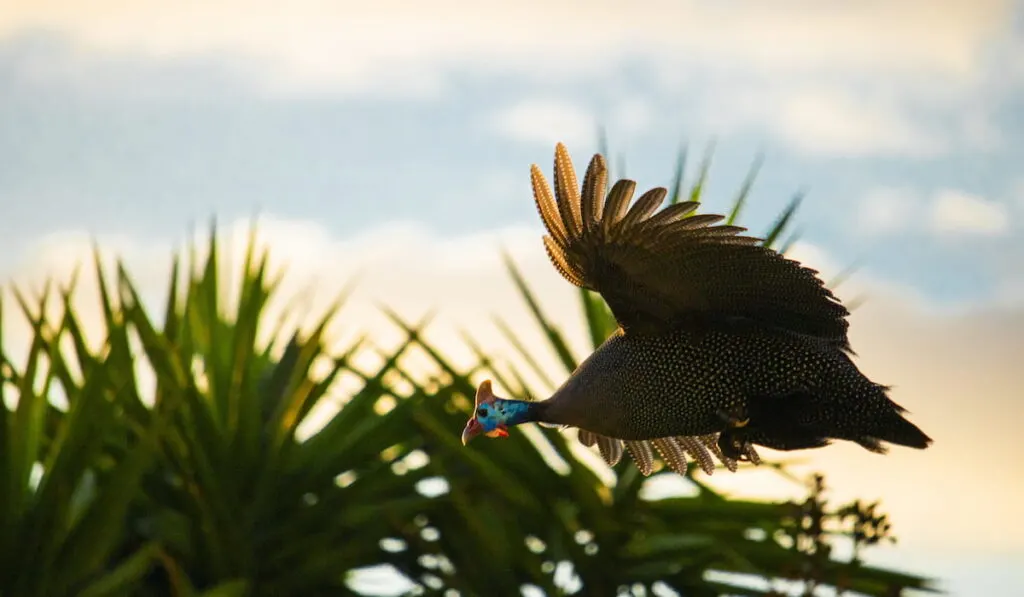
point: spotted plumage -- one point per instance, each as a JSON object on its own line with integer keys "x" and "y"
{"x": 723, "y": 343}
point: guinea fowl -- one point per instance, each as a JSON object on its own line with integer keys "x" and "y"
{"x": 723, "y": 343}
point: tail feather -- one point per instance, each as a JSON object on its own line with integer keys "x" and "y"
{"x": 896, "y": 429}
{"x": 807, "y": 419}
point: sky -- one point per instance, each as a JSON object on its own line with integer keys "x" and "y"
{"x": 393, "y": 139}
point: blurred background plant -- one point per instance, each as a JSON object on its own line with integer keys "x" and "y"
{"x": 200, "y": 448}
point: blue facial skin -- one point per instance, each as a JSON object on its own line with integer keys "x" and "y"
{"x": 502, "y": 413}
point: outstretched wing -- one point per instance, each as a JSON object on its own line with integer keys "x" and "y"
{"x": 669, "y": 268}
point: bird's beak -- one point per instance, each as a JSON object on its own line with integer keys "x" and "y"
{"x": 473, "y": 429}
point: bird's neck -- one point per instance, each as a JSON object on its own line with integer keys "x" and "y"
{"x": 517, "y": 412}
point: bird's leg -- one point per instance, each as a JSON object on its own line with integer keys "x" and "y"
{"x": 731, "y": 441}
{"x": 736, "y": 417}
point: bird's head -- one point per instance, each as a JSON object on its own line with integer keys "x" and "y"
{"x": 492, "y": 416}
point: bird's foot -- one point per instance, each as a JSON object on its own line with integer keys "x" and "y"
{"x": 734, "y": 446}
{"x": 732, "y": 441}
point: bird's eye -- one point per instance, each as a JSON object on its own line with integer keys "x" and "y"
{"x": 481, "y": 412}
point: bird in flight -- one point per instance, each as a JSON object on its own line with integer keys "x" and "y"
{"x": 723, "y": 344}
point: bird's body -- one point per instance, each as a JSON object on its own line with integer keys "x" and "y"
{"x": 723, "y": 343}
{"x": 682, "y": 383}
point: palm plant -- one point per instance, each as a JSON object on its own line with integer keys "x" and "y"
{"x": 244, "y": 503}
{"x": 68, "y": 475}
{"x": 200, "y": 484}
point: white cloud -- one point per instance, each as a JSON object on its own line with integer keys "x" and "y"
{"x": 943, "y": 212}
{"x": 888, "y": 210}
{"x": 633, "y": 116}
{"x": 824, "y": 120}
{"x": 794, "y": 69}
{"x": 545, "y": 121}
{"x": 353, "y": 41}
{"x": 840, "y": 123}
{"x": 954, "y": 211}
{"x": 411, "y": 270}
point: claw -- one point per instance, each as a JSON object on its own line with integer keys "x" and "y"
{"x": 735, "y": 447}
